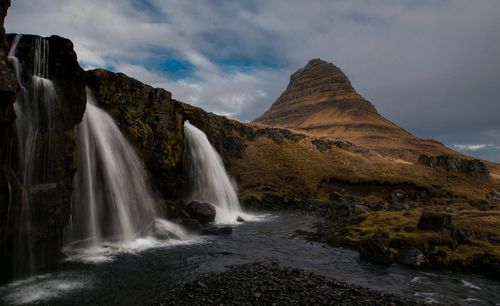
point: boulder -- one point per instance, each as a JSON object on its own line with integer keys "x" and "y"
{"x": 411, "y": 257}
{"x": 192, "y": 225}
{"x": 203, "y": 212}
{"x": 433, "y": 221}
{"x": 240, "y": 219}
{"x": 376, "y": 249}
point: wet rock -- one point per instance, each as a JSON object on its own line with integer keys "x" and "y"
{"x": 203, "y": 212}
{"x": 216, "y": 230}
{"x": 411, "y": 257}
{"x": 240, "y": 219}
{"x": 376, "y": 249}
{"x": 192, "y": 225}
{"x": 433, "y": 221}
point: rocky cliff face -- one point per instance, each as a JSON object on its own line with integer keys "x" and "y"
{"x": 38, "y": 200}
{"x": 8, "y": 86}
{"x": 320, "y": 101}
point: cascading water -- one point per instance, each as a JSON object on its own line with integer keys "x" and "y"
{"x": 112, "y": 201}
{"x": 210, "y": 181}
{"x": 34, "y": 107}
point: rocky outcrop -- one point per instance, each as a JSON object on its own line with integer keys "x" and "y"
{"x": 39, "y": 210}
{"x": 8, "y": 86}
{"x": 473, "y": 168}
{"x": 376, "y": 249}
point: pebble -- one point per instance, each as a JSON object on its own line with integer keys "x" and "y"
{"x": 243, "y": 284}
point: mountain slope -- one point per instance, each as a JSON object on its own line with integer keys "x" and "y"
{"x": 320, "y": 101}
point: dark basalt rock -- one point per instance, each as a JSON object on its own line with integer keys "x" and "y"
{"x": 376, "y": 249}
{"x": 474, "y": 168}
{"x": 433, "y": 221}
{"x": 411, "y": 257}
{"x": 192, "y": 225}
{"x": 240, "y": 219}
{"x": 50, "y": 197}
{"x": 203, "y": 212}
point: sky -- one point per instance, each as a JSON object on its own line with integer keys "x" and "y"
{"x": 430, "y": 66}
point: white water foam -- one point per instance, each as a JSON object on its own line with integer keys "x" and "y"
{"x": 470, "y": 285}
{"x": 41, "y": 288}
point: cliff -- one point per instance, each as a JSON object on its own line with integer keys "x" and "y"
{"x": 39, "y": 156}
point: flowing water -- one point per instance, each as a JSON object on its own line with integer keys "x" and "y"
{"x": 35, "y": 125}
{"x": 138, "y": 277}
{"x": 209, "y": 180}
{"x": 113, "y": 206}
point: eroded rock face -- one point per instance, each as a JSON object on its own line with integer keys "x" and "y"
{"x": 474, "y": 168}
{"x": 48, "y": 195}
{"x": 150, "y": 120}
{"x": 8, "y": 82}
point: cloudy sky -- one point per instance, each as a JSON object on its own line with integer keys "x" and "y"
{"x": 431, "y": 66}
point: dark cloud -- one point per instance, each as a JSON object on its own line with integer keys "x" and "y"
{"x": 432, "y": 67}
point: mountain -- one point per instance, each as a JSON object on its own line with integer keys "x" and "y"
{"x": 321, "y": 101}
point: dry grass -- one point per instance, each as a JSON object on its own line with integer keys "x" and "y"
{"x": 297, "y": 169}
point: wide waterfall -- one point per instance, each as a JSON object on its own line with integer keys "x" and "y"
{"x": 35, "y": 126}
{"x": 112, "y": 201}
{"x": 209, "y": 180}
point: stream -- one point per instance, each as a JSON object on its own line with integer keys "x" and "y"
{"x": 137, "y": 272}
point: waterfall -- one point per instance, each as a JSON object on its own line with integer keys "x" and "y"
{"x": 209, "y": 180}
{"x": 35, "y": 126}
{"x": 112, "y": 201}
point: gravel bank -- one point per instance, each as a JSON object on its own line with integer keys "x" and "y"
{"x": 272, "y": 284}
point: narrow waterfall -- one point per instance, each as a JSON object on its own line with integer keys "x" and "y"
{"x": 112, "y": 201}
{"x": 209, "y": 180}
{"x": 35, "y": 125}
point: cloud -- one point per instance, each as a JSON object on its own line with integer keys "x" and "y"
{"x": 432, "y": 67}
{"x": 471, "y": 147}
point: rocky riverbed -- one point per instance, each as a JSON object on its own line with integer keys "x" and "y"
{"x": 273, "y": 284}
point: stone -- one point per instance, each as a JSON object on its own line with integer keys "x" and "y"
{"x": 203, "y": 212}
{"x": 191, "y": 224}
{"x": 411, "y": 257}
{"x": 433, "y": 221}
{"x": 240, "y": 219}
{"x": 376, "y": 249}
